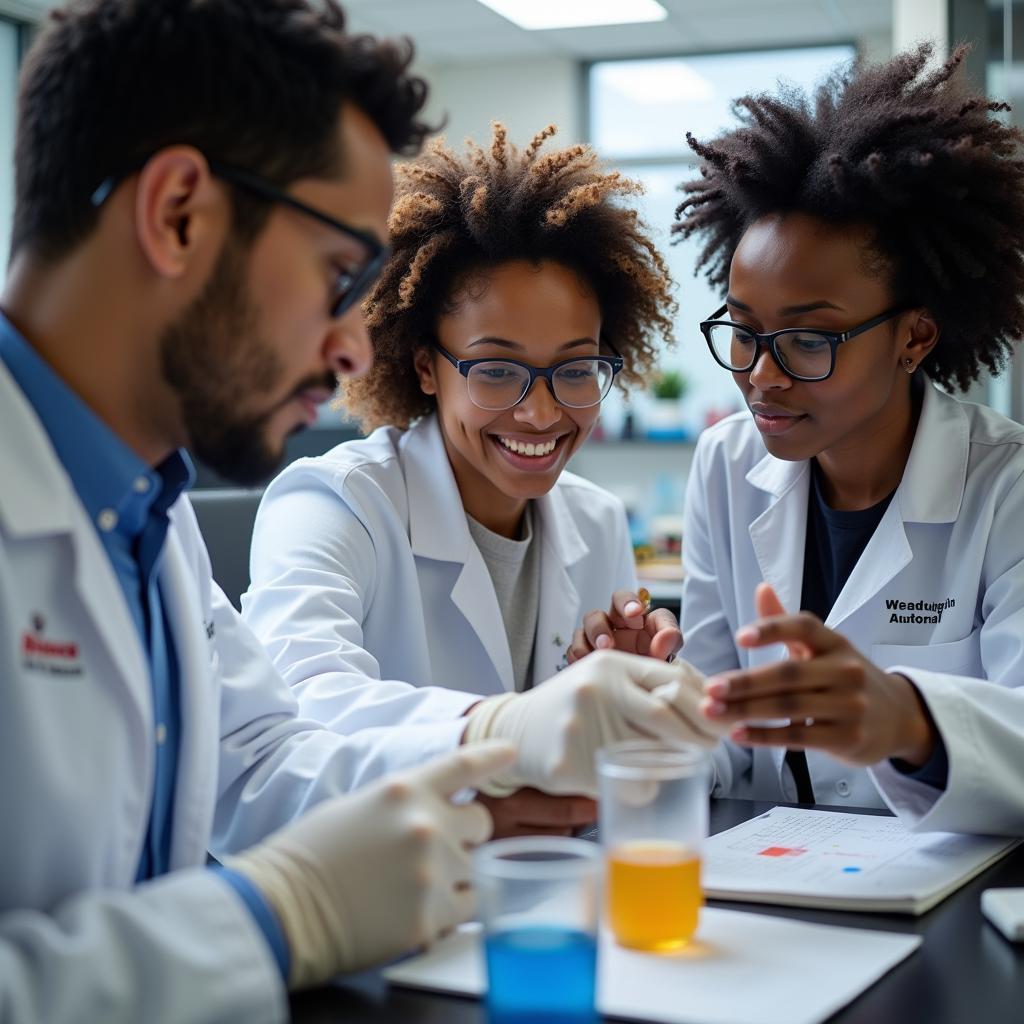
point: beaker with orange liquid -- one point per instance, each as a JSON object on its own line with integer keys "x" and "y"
{"x": 653, "y": 821}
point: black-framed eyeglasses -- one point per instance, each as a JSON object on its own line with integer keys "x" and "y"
{"x": 350, "y": 284}
{"x": 496, "y": 384}
{"x": 804, "y": 355}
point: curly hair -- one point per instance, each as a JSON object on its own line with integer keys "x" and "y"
{"x": 912, "y": 154}
{"x": 458, "y": 214}
{"x": 257, "y": 84}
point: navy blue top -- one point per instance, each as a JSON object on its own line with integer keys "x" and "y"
{"x": 835, "y": 541}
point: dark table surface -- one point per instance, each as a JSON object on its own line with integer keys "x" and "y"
{"x": 965, "y": 972}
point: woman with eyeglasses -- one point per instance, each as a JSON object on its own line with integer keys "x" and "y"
{"x": 450, "y": 549}
{"x": 869, "y": 241}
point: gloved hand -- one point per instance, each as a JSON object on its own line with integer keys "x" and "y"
{"x": 371, "y": 874}
{"x": 607, "y": 696}
{"x": 685, "y": 693}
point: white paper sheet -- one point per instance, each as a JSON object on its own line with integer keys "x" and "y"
{"x": 846, "y": 861}
{"x": 743, "y": 968}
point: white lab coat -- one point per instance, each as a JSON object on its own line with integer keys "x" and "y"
{"x": 375, "y": 603}
{"x": 953, "y": 536}
{"x": 79, "y": 941}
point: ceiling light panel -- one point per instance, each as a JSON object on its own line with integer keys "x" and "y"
{"x": 547, "y": 14}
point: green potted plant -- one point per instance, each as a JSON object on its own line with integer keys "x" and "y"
{"x": 665, "y": 416}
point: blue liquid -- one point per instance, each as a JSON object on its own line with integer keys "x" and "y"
{"x": 541, "y": 976}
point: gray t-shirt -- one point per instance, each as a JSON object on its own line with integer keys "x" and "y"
{"x": 514, "y": 566}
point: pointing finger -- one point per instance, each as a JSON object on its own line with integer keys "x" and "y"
{"x": 802, "y": 628}
{"x": 469, "y": 766}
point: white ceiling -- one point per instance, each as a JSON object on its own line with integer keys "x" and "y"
{"x": 462, "y": 31}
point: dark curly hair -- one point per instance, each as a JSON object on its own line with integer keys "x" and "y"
{"x": 254, "y": 83}
{"x": 913, "y": 154}
{"x": 456, "y": 214}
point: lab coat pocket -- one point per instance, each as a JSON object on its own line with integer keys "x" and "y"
{"x": 957, "y": 658}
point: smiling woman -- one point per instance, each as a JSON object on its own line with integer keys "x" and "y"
{"x": 458, "y": 215}
{"x": 450, "y": 550}
{"x": 507, "y": 438}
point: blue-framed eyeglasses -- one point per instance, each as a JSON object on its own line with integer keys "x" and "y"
{"x": 350, "y": 284}
{"x": 805, "y": 355}
{"x": 496, "y": 384}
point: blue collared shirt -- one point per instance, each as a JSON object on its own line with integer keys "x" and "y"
{"x": 128, "y": 503}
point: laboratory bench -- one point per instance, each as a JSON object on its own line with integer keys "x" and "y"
{"x": 965, "y": 972}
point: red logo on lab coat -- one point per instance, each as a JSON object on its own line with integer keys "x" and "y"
{"x": 40, "y": 648}
{"x": 41, "y": 652}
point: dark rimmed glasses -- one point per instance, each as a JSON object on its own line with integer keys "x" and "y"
{"x": 496, "y": 384}
{"x": 804, "y": 355}
{"x": 350, "y": 284}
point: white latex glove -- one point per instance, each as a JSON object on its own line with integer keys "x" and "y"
{"x": 371, "y": 874}
{"x": 607, "y": 696}
{"x": 686, "y": 693}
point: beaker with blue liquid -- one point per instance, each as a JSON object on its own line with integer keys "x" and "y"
{"x": 539, "y": 900}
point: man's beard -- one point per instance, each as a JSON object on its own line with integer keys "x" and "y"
{"x": 217, "y": 363}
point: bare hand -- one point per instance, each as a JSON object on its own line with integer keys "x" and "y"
{"x": 529, "y": 812}
{"x": 627, "y": 626}
{"x": 835, "y": 699}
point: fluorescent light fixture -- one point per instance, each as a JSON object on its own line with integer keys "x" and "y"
{"x": 544, "y": 14}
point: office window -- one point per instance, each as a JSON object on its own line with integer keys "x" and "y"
{"x": 9, "y": 54}
{"x": 639, "y": 113}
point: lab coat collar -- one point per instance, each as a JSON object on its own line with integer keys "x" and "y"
{"x": 924, "y": 495}
{"x": 559, "y": 530}
{"x": 195, "y": 790}
{"x": 437, "y": 519}
{"x": 38, "y": 498}
{"x": 776, "y": 476}
{"x": 779, "y": 532}
{"x": 43, "y": 502}
{"x": 559, "y": 611}
{"x": 438, "y": 530}
{"x": 932, "y": 489}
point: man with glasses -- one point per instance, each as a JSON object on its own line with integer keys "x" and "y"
{"x": 202, "y": 200}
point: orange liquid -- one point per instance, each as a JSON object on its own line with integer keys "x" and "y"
{"x": 654, "y": 895}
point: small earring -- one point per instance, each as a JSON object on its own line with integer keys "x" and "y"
{"x": 909, "y": 364}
